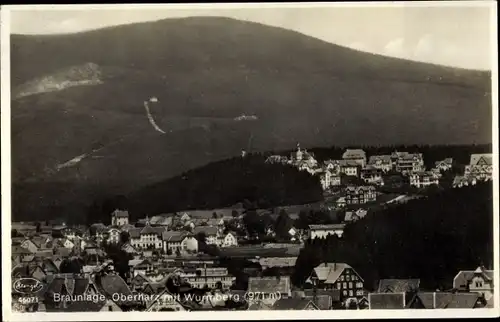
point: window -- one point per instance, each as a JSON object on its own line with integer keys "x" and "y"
{"x": 338, "y": 286}
{"x": 350, "y": 284}
{"x": 359, "y": 284}
{"x": 348, "y": 278}
{"x": 354, "y": 278}
{"x": 345, "y": 285}
{"x": 350, "y": 293}
{"x": 344, "y": 293}
{"x": 359, "y": 293}
{"x": 342, "y": 278}
{"x": 110, "y": 308}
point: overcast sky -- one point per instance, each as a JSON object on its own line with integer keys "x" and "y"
{"x": 453, "y": 36}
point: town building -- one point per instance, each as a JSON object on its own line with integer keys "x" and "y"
{"x": 114, "y": 235}
{"x": 381, "y": 162}
{"x": 478, "y": 281}
{"x": 349, "y": 167}
{"x": 360, "y": 194}
{"x": 338, "y": 276}
{"x": 119, "y": 218}
{"x": 227, "y": 240}
{"x": 372, "y": 175}
{"x": 208, "y": 276}
{"x": 211, "y": 233}
{"x": 480, "y": 167}
{"x": 146, "y": 237}
{"x": 323, "y": 231}
{"x": 356, "y": 155}
{"x": 444, "y": 165}
{"x": 406, "y": 163}
{"x": 423, "y": 179}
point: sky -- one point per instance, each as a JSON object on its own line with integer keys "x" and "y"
{"x": 459, "y": 35}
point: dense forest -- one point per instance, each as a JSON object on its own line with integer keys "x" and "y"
{"x": 431, "y": 239}
{"x": 220, "y": 184}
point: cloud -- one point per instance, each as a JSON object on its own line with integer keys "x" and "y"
{"x": 427, "y": 47}
{"x": 396, "y": 48}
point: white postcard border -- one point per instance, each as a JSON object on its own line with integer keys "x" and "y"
{"x": 228, "y": 315}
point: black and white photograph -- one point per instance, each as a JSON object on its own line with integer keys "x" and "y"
{"x": 223, "y": 158}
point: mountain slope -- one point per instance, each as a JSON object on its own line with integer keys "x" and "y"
{"x": 207, "y": 72}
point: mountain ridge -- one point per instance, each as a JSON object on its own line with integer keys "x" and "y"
{"x": 207, "y": 72}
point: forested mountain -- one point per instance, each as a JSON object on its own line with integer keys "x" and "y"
{"x": 80, "y": 128}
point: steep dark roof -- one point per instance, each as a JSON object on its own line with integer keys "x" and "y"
{"x": 398, "y": 285}
{"x": 292, "y": 304}
{"x": 386, "y": 301}
{"x": 114, "y": 284}
{"x": 446, "y": 300}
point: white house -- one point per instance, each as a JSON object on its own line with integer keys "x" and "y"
{"x": 407, "y": 163}
{"x": 114, "y": 236}
{"x": 147, "y": 237}
{"x": 423, "y": 179}
{"x": 480, "y": 166}
{"x": 209, "y": 276}
{"x": 444, "y": 165}
{"x": 381, "y": 162}
{"x": 356, "y": 155}
{"x": 119, "y": 218}
{"x": 228, "y": 240}
{"x": 478, "y": 281}
{"x": 349, "y": 167}
{"x": 372, "y": 175}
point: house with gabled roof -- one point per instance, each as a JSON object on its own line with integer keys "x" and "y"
{"x": 478, "y": 281}
{"x": 62, "y": 285}
{"x": 356, "y": 155}
{"x": 407, "y": 163}
{"x": 119, "y": 218}
{"x": 372, "y": 175}
{"x": 480, "y": 167}
{"x": 30, "y": 245}
{"x": 381, "y": 162}
{"x": 355, "y": 195}
{"x": 338, "y": 276}
{"x": 147, "y": 237}
{"x": 211, "y": 233}
{"x": 444, "y": 165}
{"x": 423, "y": 179}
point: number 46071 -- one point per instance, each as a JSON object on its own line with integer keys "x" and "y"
{"x": 28, "y": 300}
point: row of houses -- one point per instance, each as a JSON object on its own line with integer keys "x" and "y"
{"x": 354, "y": 163}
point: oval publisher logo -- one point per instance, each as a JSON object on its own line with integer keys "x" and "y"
{"x": 27, "y": 285}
